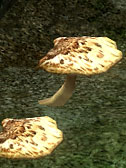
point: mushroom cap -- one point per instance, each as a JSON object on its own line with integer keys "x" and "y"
{"x": 29, "y": 138}
{"x": 81, "y": 55}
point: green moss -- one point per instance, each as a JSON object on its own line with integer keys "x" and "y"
{"x": 93, "y": 121}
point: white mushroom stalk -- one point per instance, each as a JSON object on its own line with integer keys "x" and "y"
{"x": 78, "y": 55}
{"x": 63, "y": 94}
{"x": 29, "y": 138}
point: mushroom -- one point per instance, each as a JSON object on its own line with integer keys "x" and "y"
{"x": 77, "y": 55}
{"x": 29, "y": 138}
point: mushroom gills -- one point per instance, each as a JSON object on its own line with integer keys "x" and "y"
{"x": 63, "y": 94}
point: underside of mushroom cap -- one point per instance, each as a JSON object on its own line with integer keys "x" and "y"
{"x": 81, "y": 55}
{"x": 29, "y": 138}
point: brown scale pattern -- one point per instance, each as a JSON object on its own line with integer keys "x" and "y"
{"x": 29, "y": 138}
{"x": 81, "y": 55}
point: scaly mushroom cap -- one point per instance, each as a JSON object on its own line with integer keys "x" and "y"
{"x": 29, "y": 138}
{"x": 81, "y": 55}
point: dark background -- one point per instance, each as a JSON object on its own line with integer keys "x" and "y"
{"x": 94, "y": 119}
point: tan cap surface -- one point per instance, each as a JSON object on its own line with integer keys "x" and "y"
{"x": 81, "y": 55}
{"x": 29, "y": 138}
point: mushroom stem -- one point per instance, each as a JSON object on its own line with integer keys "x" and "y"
{"x": 63, "y": 94}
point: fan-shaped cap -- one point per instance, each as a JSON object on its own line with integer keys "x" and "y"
{"x": 29, "y": 138}
{"x": 81, "y": 55}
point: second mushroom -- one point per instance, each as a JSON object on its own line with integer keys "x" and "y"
{"x": 77, "y": 55}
